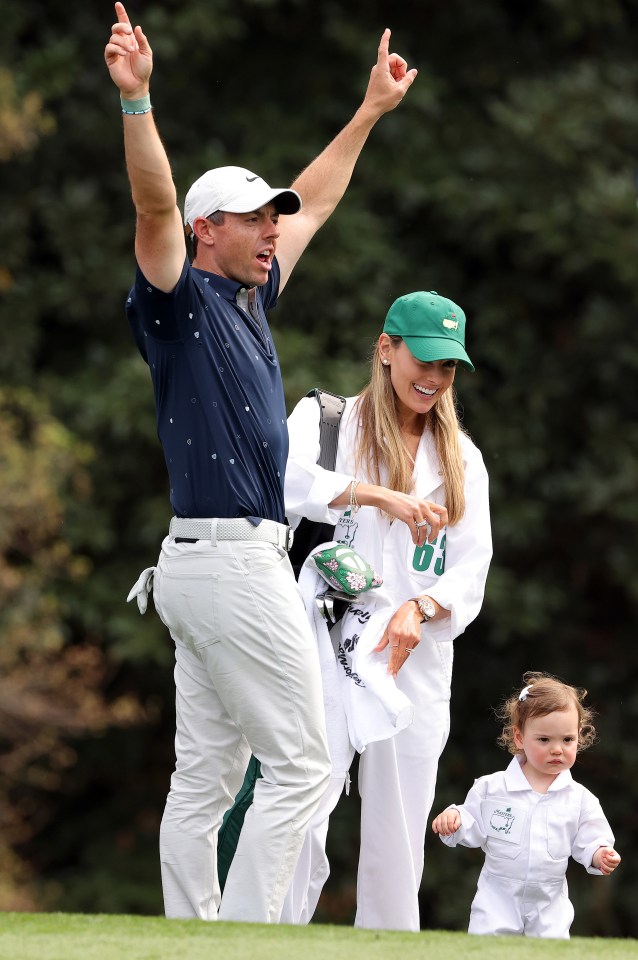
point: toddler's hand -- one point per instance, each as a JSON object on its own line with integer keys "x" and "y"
{"x": 606, "y": 860}
{"x": 448, "y": 822}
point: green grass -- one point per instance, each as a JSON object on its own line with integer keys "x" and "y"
{"x": 64, "y": 936}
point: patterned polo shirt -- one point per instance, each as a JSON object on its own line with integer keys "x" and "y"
{"x": 221, "y": 416}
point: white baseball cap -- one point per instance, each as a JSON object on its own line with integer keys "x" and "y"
{"x": 235, "y": 190}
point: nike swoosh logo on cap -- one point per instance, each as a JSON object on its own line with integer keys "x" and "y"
{"x": 250, "y": 179}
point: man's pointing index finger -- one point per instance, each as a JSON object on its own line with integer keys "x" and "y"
{"x": 122, "y": 15}
{"x": 384, "y": 44}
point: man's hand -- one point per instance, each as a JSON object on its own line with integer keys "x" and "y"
{"x": 389, "y": 80}
{"x": 447, "y": 822}
{"x": 129, "y": 57}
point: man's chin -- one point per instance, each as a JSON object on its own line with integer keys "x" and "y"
{"x": 250, "y": 281}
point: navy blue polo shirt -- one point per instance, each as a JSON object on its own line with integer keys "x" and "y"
{"x": 221, "y": 416}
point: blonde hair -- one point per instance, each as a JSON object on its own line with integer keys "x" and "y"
{"x": 543, "y": 694}
{"x": 381, "y": 452}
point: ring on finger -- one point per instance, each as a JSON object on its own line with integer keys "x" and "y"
{"x": 409, "y": 649}
{"x": 420, "y": 523}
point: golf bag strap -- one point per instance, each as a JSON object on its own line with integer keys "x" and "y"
{"x": 331, "y": 407}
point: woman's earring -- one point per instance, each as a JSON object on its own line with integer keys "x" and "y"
{"x": 385, "y": 362}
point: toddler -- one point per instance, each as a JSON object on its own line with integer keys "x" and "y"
{"x": 532, "y": 816}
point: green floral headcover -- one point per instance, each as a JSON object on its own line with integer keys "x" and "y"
{"x": 345, "y": 570}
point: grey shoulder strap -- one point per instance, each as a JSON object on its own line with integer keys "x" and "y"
{"x": 331, "y": 407}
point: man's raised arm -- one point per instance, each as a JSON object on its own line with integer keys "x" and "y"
{"x": 159, "y": 240}
{"x": 324, "y": 182}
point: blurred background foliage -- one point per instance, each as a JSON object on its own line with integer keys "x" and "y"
{"x": 506, "y": 180}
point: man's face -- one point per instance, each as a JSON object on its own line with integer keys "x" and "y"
{"x": 243, "y": 246}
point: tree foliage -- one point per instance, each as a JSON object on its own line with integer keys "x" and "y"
{"x": 506, "y": 181}
{"x": 50, "y": 689}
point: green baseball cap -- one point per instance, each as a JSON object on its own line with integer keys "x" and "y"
{"x": 432, "y": 327}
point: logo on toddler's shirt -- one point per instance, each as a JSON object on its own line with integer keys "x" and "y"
{"x": 502, "y": 821}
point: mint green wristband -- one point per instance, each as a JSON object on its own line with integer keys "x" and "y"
{"x": 143, "y": 105}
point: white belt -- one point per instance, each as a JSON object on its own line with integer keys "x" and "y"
{"x": 222, "y": 528}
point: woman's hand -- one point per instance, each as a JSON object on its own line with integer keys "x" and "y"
{"x": 423, "y": 517}
{"x": 402, "y": 635}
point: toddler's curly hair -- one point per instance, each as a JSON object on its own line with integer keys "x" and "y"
{"x": 542, "y": 694}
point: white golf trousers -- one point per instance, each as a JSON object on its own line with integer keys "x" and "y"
{"x": 247, "y": 679}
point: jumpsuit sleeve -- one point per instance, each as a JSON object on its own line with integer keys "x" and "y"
{"x": 471, "y": 833}
{"x": 308, "y": 487}
{"x": 468, "y": 552}
{"x": 593, "y": 832}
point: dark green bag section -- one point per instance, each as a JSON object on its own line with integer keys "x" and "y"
{"x": 308, "y": 535}
{"x": 234, "y": 820}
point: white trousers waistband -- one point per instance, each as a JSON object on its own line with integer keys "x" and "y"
{"x": 223, "y": 528}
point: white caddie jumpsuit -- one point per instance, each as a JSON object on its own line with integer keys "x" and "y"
{"x": 396, "y": 775}
{"x": 528, "y": 838}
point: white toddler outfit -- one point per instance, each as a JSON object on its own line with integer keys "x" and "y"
{"x": 528, "y": 838}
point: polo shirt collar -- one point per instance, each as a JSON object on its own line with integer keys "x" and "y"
{"x": 515, "y": 779}
{"x": 228, "y": 289}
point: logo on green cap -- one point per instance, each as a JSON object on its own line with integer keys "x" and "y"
{"x": 431, "y": 326}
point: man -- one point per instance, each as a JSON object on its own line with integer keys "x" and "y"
{"x": 247, "y": 675}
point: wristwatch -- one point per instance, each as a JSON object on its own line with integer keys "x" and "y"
{"x": 426, "y": 608}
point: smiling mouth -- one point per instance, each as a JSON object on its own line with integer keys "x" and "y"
{"x": 423, "y": 391}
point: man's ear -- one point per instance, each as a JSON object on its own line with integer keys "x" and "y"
{"x": 204, "y": 230}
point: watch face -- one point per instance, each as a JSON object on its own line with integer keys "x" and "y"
{"x": 427, "y": 609}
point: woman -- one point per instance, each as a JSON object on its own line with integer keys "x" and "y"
{"x": 401, "y": 452}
